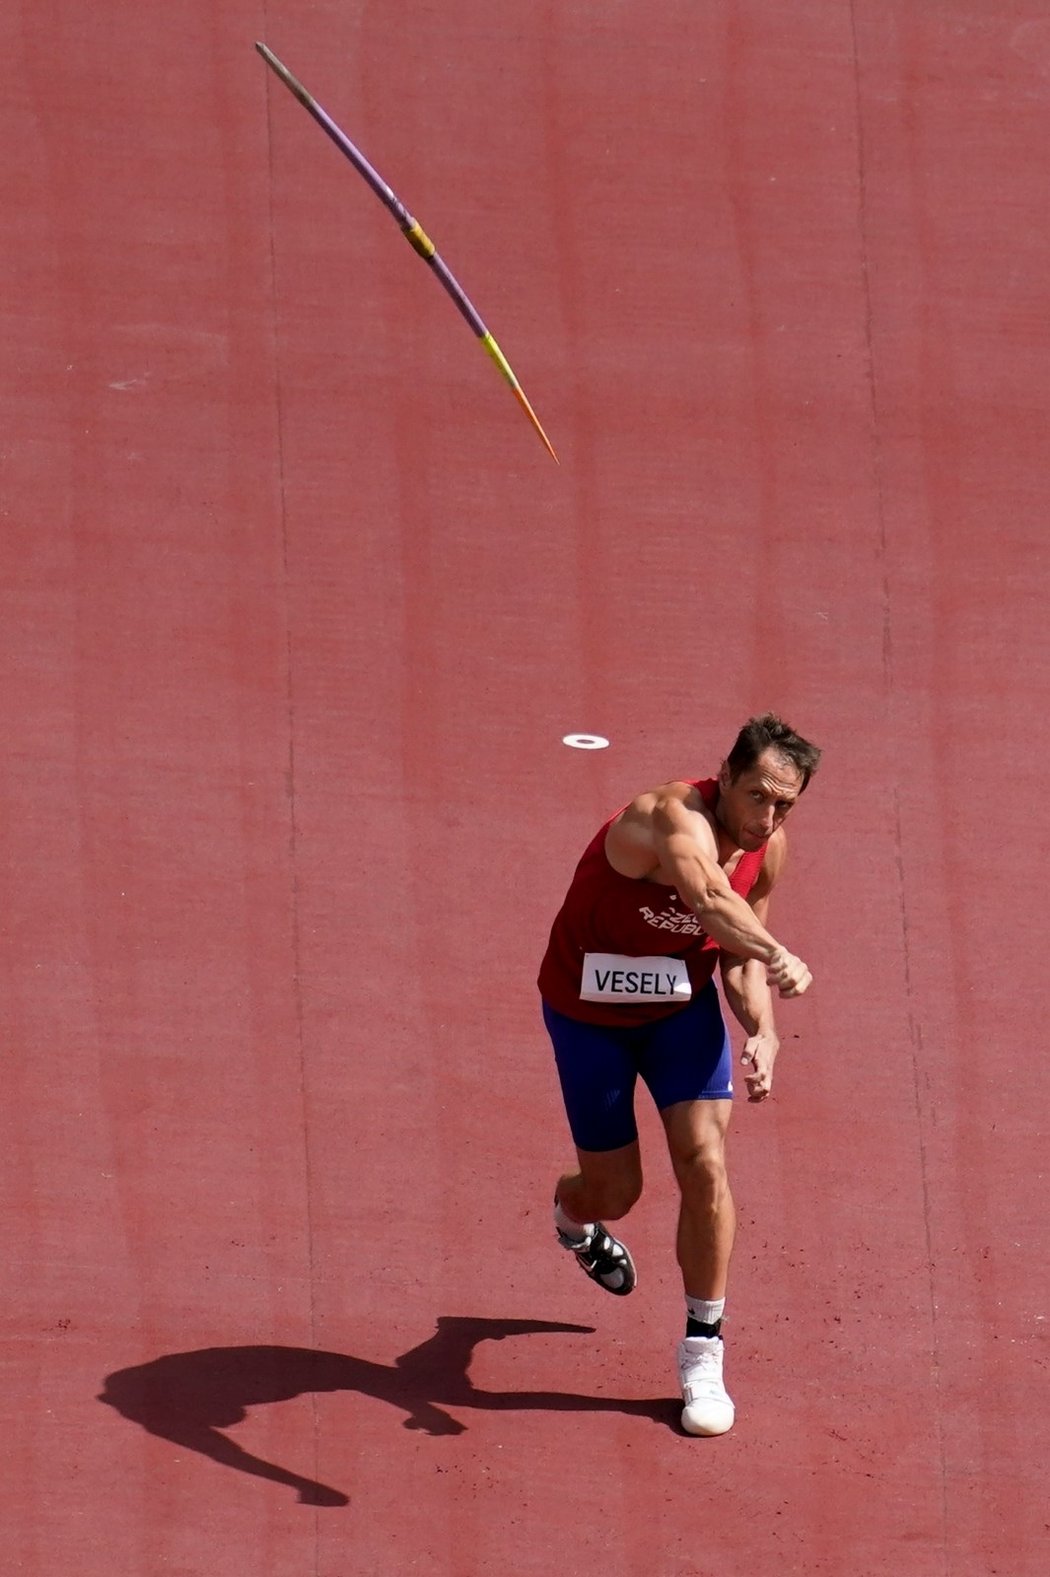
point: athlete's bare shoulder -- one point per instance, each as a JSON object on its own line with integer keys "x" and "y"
{"x": 675, "y": 791}
{"x": 635, "y": 836}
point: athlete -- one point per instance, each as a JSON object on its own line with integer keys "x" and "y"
{"x": 677, "y": 882}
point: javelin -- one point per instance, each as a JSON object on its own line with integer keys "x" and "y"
{"x": 414, "y": 232}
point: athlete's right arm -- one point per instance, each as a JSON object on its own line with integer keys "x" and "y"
{"x": 679, "y": 845}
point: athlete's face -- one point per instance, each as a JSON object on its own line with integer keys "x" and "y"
{"x": 752, "y": 806}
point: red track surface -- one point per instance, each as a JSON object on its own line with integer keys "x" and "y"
{"x": 295, "y": 613}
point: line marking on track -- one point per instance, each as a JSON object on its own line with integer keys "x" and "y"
{"x": 585, "y": 741}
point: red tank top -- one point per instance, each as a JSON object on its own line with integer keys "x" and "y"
{"x": 605, "y": 912}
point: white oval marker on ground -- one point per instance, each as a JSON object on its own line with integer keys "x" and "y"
{"x": 585, "y": 741}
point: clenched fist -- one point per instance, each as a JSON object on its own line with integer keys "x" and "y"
{"x": 788, "y": 973}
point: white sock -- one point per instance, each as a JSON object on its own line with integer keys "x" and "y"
{"x": 707, "y": 1310}
{"x": 579, "y": 1231}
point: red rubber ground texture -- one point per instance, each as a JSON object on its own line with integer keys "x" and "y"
{"x": 296, "y": 611}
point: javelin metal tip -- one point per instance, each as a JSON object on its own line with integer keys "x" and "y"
{"x": 534, "y": 419}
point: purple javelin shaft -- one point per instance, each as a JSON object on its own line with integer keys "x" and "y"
{"x": 420, "y": 241}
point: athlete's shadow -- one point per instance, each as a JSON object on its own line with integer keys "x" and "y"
{"x": 190, "y": 1398}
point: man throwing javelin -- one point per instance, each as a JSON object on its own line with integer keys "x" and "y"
{"x": 676, "y": 882}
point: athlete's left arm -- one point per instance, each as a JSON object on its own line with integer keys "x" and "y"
{"x": 747, "y": 988}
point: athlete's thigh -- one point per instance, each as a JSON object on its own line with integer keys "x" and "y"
{"x": 597, "y": 1072}
{"x": 696, "y": 1132}
{"x": 687, "y": 1055}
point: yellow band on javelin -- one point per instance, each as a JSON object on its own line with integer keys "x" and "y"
{"x": 419, "y": 239}
{"x": 498, "y": 357}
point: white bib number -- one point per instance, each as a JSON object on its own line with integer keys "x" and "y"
{"x": 615, "y": 977}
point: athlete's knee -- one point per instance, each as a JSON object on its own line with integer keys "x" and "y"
{"x": 702, "y": 1175}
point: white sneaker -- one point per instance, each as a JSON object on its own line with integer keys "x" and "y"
{"x": 707, "y": 1410}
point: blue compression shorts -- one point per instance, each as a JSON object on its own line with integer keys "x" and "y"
{"x": 684, "y": 1056}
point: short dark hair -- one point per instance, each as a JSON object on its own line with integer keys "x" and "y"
{"x": 768, "y": 732}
